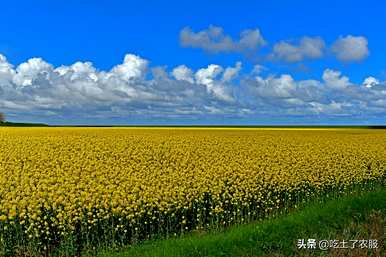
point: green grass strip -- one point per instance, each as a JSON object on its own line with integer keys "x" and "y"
{"x": 273, "y": 237}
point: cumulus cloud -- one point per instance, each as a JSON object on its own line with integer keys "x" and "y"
{"x": 306, "y": 48}
{"x": 213, "y": 39}
{"x": 370, "y": 82}
{"x": 231, "y": 72}
{"x": 79, "y": 70}
{"x": 131, "y": 68}
{"x": 351, "y": 48}
{"x": 183, "y": 73}
{"x": 334, "y": 79}
{"x": 208, "y": 77}
{"x": 30, "y": 70}
{"x": 130, "y": 92}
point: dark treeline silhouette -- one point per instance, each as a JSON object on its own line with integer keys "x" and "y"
{"x": 2, "y": 117}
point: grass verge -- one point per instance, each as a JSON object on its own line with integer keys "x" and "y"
{"x": 347, "y": 218}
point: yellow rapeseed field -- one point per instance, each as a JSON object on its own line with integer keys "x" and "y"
{"x": 125, "y": 184}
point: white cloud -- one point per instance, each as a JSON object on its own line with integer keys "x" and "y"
{"x": 351, "y": 48}
{"x": 30, "y": 70}
{"x": 276, "y": 87}
{"x": 370, "y": 82}
{"x": 250, "y": 39}
{"x": 133, "y": 67}
{"x": 183, "y": 73}
{"x": 208, "y": 77}
{"x": 307, "y": 48}
{"x": 231, "y": 72}
{"x": 334, "y": 79}
{"x": 329, "y": 108}
{"x": 214, "y": 40}
{"x": 78, "y": 71}
{"x": 5, "y": 67}
{"x": 258, "y": 68}
{"x": 6, "y": 70}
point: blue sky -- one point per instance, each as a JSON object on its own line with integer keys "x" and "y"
{"x": 313, "y": 56}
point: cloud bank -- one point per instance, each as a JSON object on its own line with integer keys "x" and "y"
{"x": 213, "y": 40}
{"x": 307, "y": 48}
{"x": 133, "y": 90}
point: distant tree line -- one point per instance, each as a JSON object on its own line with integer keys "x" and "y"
{"x": 2, "y": 117}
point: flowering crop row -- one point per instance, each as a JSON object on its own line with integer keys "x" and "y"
{"x": 119, "y": 185}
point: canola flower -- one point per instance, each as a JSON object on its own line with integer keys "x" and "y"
{"x": 120, "y": 185}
